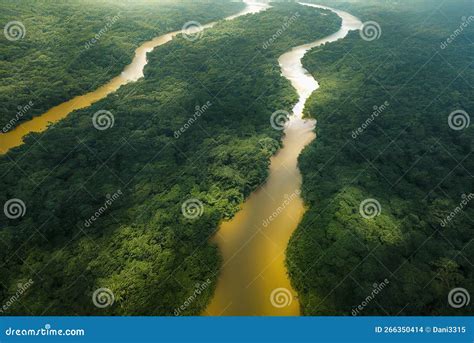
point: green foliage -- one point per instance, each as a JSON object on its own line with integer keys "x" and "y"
{"x": 72, "y": 47}
{"x": 407, "y": 157}
{"x": 142, "y": 247}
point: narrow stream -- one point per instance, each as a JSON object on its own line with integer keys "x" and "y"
{"x": 253, "y": 279}
{"x": 131, "y": 73}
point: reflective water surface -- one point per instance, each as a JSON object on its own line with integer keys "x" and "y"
{"x": 253, "y": 279}
{"x": 132, "y": 72}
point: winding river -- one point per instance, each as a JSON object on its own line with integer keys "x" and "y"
{"x": 131, "y": 73}
{"x": 253, "y": 279}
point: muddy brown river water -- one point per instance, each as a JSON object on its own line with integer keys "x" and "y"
{"x": 254, "y": 279}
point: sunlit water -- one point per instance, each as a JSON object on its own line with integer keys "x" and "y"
{"x": 252, "y": 245}
{"x": 253, "y": 278}
{"x": 132, "y": 72}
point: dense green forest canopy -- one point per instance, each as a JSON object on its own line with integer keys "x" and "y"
{"x": 104, "y": 208}
{"x": 385, "y": 133}
{"x": 72, "y": 47}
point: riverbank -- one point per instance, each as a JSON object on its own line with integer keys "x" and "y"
{"x": 254, "y": 279}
